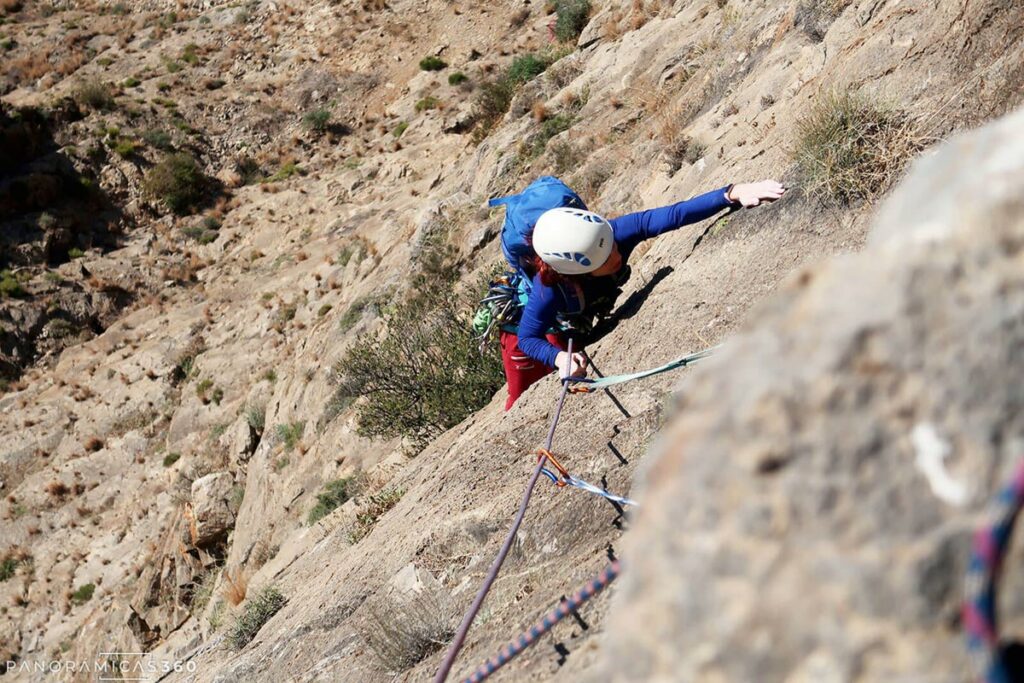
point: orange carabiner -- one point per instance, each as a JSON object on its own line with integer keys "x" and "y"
{"x": 543, "y": 453}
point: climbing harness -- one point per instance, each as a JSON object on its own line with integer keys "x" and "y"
{"x": 530, "y": 636}
{"x": 563, "y": 479}
{"x": 586, "y": 385}
{"x": 979, "y": 609}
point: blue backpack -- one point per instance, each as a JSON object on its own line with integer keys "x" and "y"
{"x": 521, "y": 213}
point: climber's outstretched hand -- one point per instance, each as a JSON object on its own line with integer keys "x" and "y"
{"x": 752, "y": 194}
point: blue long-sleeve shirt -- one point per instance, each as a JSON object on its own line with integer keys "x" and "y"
{"x": 545, "y": 303}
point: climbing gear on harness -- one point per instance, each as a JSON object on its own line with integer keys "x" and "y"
{"x": 979, "y": 609}
{"x": 521, "y": 213}
{"x": 501, "y": 307}
{"x": 573, "y": 241}
{"x": 589, "y": 385}
{"x": 530, "y": 636}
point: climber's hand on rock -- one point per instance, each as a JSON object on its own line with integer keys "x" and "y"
{"x": 752, "y": 194}
{"x": 579, "y": 365}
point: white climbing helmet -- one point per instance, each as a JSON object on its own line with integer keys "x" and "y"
{"x": 572, "y": 241}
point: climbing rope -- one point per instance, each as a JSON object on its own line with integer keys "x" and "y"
{"x": 979, "y": 610}
{"x": 586, "y": 385}
{"x": 492, "y": 574}
{"x": 530, "y": 636}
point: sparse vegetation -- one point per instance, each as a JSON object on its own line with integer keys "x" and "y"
{"x": 404, "y": 629}
{"x": 171, "y": 458}
{"x": 548, "y": 129}
{"x": 75, "y": 252}
{"x": 178, "y": 182}
{"x": 432, "y": 63}
{"x": 317, "y": 121}
{"x": 9, "y": 285}
{"x": 428, "y": 102}
{"x": 571, "y": 18}
{"x": 286, "y": 171}
{"x": 683, "y": 150}
{"x": 849, "y": 147}
{"x": 815, "y": 16}
{"x": 354, "y": 313}
{"x": 256, "y": 416}
{"x": 457, "y": 78}
{"x": 158, "y": 139}
{"x": 290, "y": 433}
{"x": 399, "y": 129}
{"x": 334, "y": 494}
{"x": 83, "y": 594}
{"x": 373, "y": 510}
{"x": 93, "y": 95}
{"x": 494, "y": 97}
{"x": 257, "y": 612}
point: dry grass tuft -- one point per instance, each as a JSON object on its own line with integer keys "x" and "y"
{"x": 404, "y": 629}
{"x": 849, "y": 147}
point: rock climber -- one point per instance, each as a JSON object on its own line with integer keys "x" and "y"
{"x": 580, "y": 262}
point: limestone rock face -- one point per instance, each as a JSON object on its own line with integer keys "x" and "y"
{"x": 808, "y": 516}
{"x": 212, "y": 516}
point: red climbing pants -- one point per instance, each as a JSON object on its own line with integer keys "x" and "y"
{"x": 521, "y": 371}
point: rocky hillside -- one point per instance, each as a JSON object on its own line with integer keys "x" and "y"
{"x": 261, "y": 184}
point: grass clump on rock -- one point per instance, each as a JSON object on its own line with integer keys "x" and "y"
{"x": 432, "y": 63}
{"x": 257, "y": 612}
{"x": 93, "y": 95}
{"x": 403, "y": 630}
{"x": 335, "y": 493}
{"x": 571, "y": 18}
{"x": 178, "y": 182}
{"x": 83, "y": 594}
{"x": 849, "y": 147}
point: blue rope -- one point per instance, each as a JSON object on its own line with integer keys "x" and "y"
{"x": 587, "y": 486}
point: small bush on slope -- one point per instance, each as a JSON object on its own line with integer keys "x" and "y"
{"x": 257, "y": 612}
{"x": 403, "y": 630}
{"x": 177, "y": 181}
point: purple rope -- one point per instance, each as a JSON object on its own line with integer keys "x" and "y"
{"x": 492, "y": 574}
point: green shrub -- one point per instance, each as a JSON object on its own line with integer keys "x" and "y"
{"x": 6, "y": 44}
{"x": 75, "y": 252}
{"x": 158, "y": 139}
{"x": 188, "y": 54}
{"x": 324, "y": 310}
{"x": 171, "y": 458}
{"x": 424, "y": 375}
{"x": 849, "y": 147}
{"x": 334, "y": 494}
{"x": 428, "y": 102}
{"x": 492, "y": 101}
{"x": 290, "y": 434}
{"x": 571, "y": 18}
{"x": 125, "y": 148}
{"x": 177, "y": 181}
{"x": 93, "y": 95}
{"x": 548, "y": 129}
{"x": 258, "y": 611}
{"x": 399, "y": 129}
{"x": 317, "y": 121}
{"x": 131, "y": 82}
{"x": 432, "y": 63}
{"x": 9, "y": 285}
{"x": 457, "y": 77}
{"x": 526, "y": 67}
{"x": 7, "y": 568}
{"x": 83, "y": 594}
{"x": 354, "y": 313}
